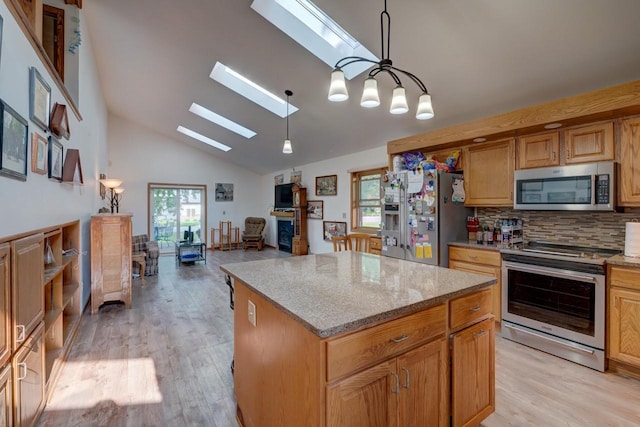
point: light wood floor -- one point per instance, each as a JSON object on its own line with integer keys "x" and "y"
{"x": 165, "y": 362}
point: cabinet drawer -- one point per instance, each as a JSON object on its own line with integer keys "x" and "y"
{"x": 469, "y": 308}
{"x": 624, "y": 277}
{"x": 370, "y": 346}
{"x": 478, "y": 256}
{"x": 375, "y": 243}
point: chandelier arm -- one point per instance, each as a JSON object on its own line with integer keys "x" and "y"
{"x": 374, "y": 71}
{"x": 348, "y": 60}
{"x": 415, "y": 79}
{"x": 394, "y": 76}
{"x": 385, "y": 14}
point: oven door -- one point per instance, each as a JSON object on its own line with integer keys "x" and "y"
{"x": 559, "y": 303}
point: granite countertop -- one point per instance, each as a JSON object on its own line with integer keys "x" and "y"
{"x": 624, "y": 260}
{"x": 339, "y": 292}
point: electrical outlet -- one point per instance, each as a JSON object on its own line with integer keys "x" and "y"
{"x": 252, "y": 313}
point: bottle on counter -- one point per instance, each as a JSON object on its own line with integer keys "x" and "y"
{"x": 485, "y": 237}
{"x": 489, "y": 232}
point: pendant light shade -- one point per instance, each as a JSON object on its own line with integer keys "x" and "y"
{"x": 370, "y": 96}
{"x": 287, "y": 148}
{"x": 338, "y": 87}
{"x": 425, "y": 109}
{"x": 399, "y": 101}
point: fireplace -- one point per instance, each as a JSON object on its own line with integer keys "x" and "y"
{"x": 285, "y": 236}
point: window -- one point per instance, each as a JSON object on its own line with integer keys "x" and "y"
{"x": 366, "y": 210}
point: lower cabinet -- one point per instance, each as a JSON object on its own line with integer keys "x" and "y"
{"x": 409, "y": 390}
{"x": 28, "y": 380}
{"x": 624, "y": 315}
{"x": 6, "y": 400}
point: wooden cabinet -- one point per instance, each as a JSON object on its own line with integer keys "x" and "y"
{"x": 629, "y": 179}
{"x": 28, "y": 380}
{"x": 624, "y": 312}
{"x": 5, "y": 303}
{"x": 592, "y": 143}
{"x": 481, "y": 261}
{"x": 6, "y": 397}
{"x": 110, "y": 259}
{"x": 541, "y": 150}
{"x": 488, "y": 173}
{"x": 375, "y": 245}
{"x": 299, "y": 242}
{"x": 27, "y": 273}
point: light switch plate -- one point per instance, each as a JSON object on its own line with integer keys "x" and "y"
{"x": 252, "y": 313}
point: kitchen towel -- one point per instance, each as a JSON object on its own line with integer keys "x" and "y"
{"x": 632, "y": 239}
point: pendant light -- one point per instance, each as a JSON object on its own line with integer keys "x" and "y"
{"x": 287, "y": 148}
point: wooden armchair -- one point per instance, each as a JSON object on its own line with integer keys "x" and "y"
{"x": 142, "y": 244}
{"x": 360, "y": 242}
{"x": 253, "y": 234}
{"x": 341, "y": 243}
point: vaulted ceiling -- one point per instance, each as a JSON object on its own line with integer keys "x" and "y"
{"x": 477, "y": 58}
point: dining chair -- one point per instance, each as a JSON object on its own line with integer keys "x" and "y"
{"x": 360, "y": 242}
{"x": 341, "y": 243}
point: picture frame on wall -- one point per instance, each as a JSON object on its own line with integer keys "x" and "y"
{"x": 315, "y": 209}
{"x": 278, "y": 179}
{"x": 327, "y": 185}
{"x": 296, "y": 178}
{"x": 55, "y": 159}
{"x": 39, "y": 99}
{"x": 14, "y": 144}
{"x": 39, "y": 153}
{"x": 224, "y": 192}
{"x": 333, "y": 229}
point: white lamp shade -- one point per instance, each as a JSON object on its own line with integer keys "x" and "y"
{"x": 370, "y": 96}
{"x": 111, "y": 183}
{"x": 118, "y": 190}
{"x": 338, "y": 88}
{"x": 287, "y": 148}
{"x": 425, "y": 109}
{"x": 399, "y": 101}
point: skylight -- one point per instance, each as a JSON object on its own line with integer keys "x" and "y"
{"x": 202, "y": 138}
{"x": 207, "y": 114}
{"x": 304, "y": 22}
{"x": 250, "y": 90}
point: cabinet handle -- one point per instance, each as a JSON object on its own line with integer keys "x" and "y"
{"x": 553, "y": 155}
{"x": 22, "y": 366}
{"x": 479, "y": 334}
{"x": 397, "y": 390}
{"x": 406, "y": 377}
{"x": 404, "y": 337}
{"x": 475, "y": 308}
{"x": 20, "y": 335}
{"x": 473, "y": 256}
{"x": 615, "y": 302}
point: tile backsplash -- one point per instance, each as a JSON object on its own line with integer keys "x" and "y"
{"x": 591, "y": 229}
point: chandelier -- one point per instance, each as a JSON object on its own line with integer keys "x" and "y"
{"x": 338, "y": 88}
{"x": 287, "y": 148}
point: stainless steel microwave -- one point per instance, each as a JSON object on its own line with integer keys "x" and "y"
{"x": 584, "y": 187}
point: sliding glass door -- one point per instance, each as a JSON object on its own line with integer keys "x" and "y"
{"x": 175, "y": 211}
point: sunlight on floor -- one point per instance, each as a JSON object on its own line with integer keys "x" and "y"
{"x": 122, "y": 381}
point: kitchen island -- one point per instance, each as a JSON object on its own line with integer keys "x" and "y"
{"x": 358, "y": 339}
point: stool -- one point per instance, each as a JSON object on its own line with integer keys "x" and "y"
{"x": 140, "y": 258}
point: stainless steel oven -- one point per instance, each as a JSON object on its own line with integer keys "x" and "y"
{"x": 555, "y": 303}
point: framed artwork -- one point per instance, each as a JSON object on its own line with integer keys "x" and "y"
{"x": 224, "y": 192}
{"x": 296, "y": 178}
{"x": 13, "y": 143}
{"x": 39, "y": 153}
{"x": 60, "y": 121}
{"x": 333, "y": 228}
{"x": 55, "y": 159}
{"x": 39, "y": 99}
{"x": 315, "y": 209}
{"x": 278, "y": 179}
{"x": 327, "y": 185}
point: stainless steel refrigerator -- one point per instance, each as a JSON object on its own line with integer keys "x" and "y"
{"x": 420, "y": 217}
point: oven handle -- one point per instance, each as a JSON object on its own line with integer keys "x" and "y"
{"x": 572, "y": 346}
{"x": 520, "y": 267}
{"x": 593, "y": 189}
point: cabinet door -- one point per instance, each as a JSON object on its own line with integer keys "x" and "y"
{"x": 538, "y": 150}
{"x": 630, "y": 163}
{"x": 27, "y": 287}
{"x": 592, "y": 143}
{"x": 472, "y": 374}
{"x": 28, "y": 374}
{"x": 488, "y": 173}
{"x": 5, "y": 304}
{"x": 624, "y": 327}
{"x": 6, "y": 410}
{"x": 424, "y": 386}
{"x": 496, "y": 290}
{"x": 367, "y": 399}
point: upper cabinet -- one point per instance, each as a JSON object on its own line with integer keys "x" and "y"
{"x": 488, "y": 173}
{"x": 629, "y": 180}
{"x": 539, "y": 150}
{"x": 593, "y": 143}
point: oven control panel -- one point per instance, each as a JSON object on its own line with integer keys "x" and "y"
{"x": 602, "y": 189}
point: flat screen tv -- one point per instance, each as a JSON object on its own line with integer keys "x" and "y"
{"x": 283, "y": 197}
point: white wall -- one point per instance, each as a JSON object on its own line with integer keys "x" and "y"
{"x": 336, "y": 208}
{"x": 138, "y": 156}
{"x": 40, "y": 202}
